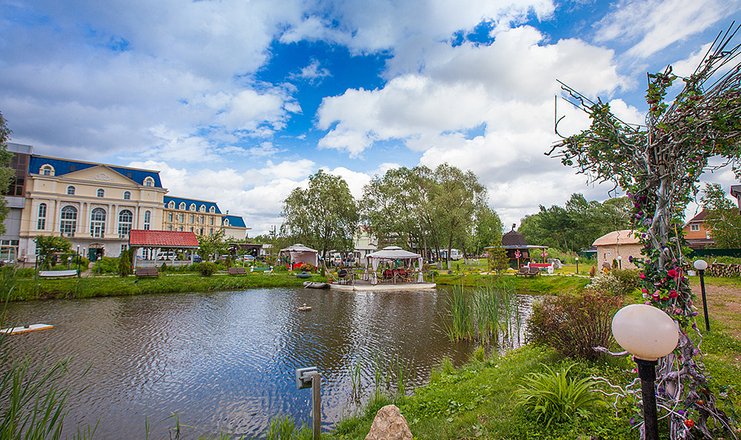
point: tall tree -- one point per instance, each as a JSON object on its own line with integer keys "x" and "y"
{"x": 49, "y": 248}
{"x": 487, "y": 230}
{"x": 212, "y": 245}
{"x": 324, "y": 215}
{"x": 456, "y": 196}
{"x": 722, "y": 217}
{"x": 658, "y": 166}
{"x": 6, "y": 173}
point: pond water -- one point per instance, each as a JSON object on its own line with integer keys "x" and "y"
{"x": 225, "y": 361}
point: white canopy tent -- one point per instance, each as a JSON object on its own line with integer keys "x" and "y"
{"x": 298, "y": 253}
{"x": 391, "y": 254}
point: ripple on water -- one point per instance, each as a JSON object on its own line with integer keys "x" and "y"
{"x": 224, "y": 362}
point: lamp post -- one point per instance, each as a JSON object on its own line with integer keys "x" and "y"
{"x": 78, "y": 261}
{"x": 701, "y": 265}
{"x": 648, "y": 334}
{"x": 620, "y": 261}
{"x": 577, "y": 265}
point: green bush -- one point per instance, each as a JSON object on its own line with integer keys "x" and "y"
{"x": 280, "y": 268}
{"x": 554, "y": 397}
{"x": 106, "y": 265}
{"x": 207, "y": 268}
{"x": 574, "y": 324}
{"x": 619, "y": 282}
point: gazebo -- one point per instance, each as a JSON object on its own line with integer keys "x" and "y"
{"x": 171, "y": 240}
{"x": 299, "y": 254}
{"x": 392, "y": 254}
{"x": 517, "y": 248}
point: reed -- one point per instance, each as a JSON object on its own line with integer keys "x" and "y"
{"x": 488, "y": 314}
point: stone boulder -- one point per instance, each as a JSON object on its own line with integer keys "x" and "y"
{"x": 389, "y": 424}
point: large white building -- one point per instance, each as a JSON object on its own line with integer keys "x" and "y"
{"x": 94, "y": 205}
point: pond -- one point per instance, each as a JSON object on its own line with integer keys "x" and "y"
{"x": 225, "y": 361}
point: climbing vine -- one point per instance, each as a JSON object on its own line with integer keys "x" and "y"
{"x": 658, "y": 166}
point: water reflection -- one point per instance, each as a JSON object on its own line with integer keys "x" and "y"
{"x": 224, "y": 362}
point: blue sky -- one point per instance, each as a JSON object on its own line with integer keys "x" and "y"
{"x": 239, "y": 102}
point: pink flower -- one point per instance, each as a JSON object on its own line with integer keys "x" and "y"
{"x": 644, "y": 290}
{"x": 642, "y": 276}
{"x": 655, "y": 295}
{"x": 673, "y": 294}
{"x": 672, "y": 273}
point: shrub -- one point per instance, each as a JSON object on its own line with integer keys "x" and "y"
{"x": 124, "y": 263}
{"x": 280, "y": 268}
{"x": 207, "y": 268}
{"x": 553, "y": 396}
{"x": 618, "y": 282}
{"x": 106, "y": 265}
{"x": 574, "y": 324}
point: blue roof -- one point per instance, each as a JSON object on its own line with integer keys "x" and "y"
{"x": 188, "y": 202}
{"x": 63, "y": 166}
{"x": 234, "y": 220}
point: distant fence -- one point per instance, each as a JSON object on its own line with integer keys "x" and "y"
{"x": 716, "y": 253}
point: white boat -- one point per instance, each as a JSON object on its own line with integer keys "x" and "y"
{"x": 315, "y": 285}
{"x": 25, "y": 329}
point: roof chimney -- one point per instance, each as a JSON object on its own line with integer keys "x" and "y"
{"x": 513, "y": 226}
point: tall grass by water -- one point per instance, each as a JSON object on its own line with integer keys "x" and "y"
{"x": 489, "y": 315}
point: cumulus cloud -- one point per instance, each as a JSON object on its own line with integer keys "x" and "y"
{"x": 653, "y": 25}
{"x": 312, "y": 73}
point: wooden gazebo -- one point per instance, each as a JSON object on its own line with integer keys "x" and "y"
{"x": 157, "y": 240}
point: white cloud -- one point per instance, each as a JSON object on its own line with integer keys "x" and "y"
{"x": 656, "y": 24}
{"x": 464, "y": 87}
{"x": 312, "y": 73}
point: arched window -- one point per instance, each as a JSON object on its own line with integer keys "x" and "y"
{"x": 125, "y": 220}
{"x": 41, "y": 222}
{"x": 46, "y": 170}
{"x": 181, "y": 206}
{"x": 148, "y": 219}
{"x": 212, "y": 209}
{"x": 226, "y": 222}
{"x": 100, "y": 192}
{"x": 97, "y": 223}
{"x": 202, "y": 208}
{"x": 200, "y": 219}
{"x": 127, "y": 195}
{"x": 171, "y": 205}
{"x": 148, "y": 181}
{"x": 68, "y": 223}
{"x": 192, "y": 206}
{"x": 71, "y": 190}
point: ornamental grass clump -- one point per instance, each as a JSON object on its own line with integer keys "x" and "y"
{"x": 619, "y": 282}
{"x": 555, "y": 397}
{"x": 574, "y": 324}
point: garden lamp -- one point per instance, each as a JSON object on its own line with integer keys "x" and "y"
{"x": 701, "y": 265}
{"x": 648, "y": 334}
{"x": 620, "y": 262}
{"x": 577, "y": 265}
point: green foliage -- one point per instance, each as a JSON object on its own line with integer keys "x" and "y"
{"x": 618, "y": 282}
{"x": 555, "y": 397}
{"x": 50, "y": 248}
{"x": 575, "y": 226}
{"x": 207, "y": 268}
{"x": 106, "y": 265}
{"x": 324, "y": 215}
{"x": 722, "y": 217}
{"x": 574, "y": 324}
{"x": 212, "y": 246}
{"x": 124, "y": 262}
{"x": 497, "y": 260}
{"x": 284, "y": 428}
{"x": 487, "y": 229}
{"x": 6, "y": 173}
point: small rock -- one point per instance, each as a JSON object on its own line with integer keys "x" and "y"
{"x": 389, "y": 424}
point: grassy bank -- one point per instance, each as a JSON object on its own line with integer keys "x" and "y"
{"x": 539, "y": 285}
{"x": 34, "y": 288}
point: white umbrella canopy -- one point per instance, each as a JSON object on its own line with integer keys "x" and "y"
{"x": 302, "y": 254}
{"x": 393, "y": 253}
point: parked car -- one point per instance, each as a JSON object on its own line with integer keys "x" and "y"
{"x": 249, "y": 258}
{"x": 197, "y": 259}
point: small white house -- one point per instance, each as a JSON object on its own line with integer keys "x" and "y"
{"x": 618, "y": 247}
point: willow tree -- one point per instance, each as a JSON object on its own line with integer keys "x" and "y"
{"x": 658, "y": 166}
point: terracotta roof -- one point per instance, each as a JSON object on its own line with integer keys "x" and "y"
{"x": 700, "y": 217}
{"x": 623, "y": 236}
{"x": 164, "y": 239}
